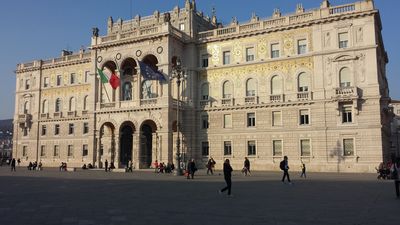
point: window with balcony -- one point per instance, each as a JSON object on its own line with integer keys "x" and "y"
{"x": 44, "y": 130}
{"x": 45, "y": 106}
{"x": 251, "y": 87}
{"x": 348, "y": 147}
{"x": 227, "y": 90}
{"x": 56, "y": 151}
{"x": 71, "y": 128}
{"x": 251, "y": 148}
{"x": 205, "y": 148}
{"x": 274, "y": 51}
{"x": 277, "y": 118}
{"x": 305, "y": 147}
{"x": 304, "y": 117}
{"x": 85, "y": 128}
{"x": 204, "y": 60}
{"x": 226, "y": 57}
{"x": 276, "y": 85}
{"x": 26, "y": 107}
{"x": 302, "y": 46}
{"x": 277, "y": 147}
{"x": 227, "y": 121}
{"x": 204, "y": 91}
{"x": 250, "y": 53}
{"x": 343, "y": 40}
{"x": 127, "y": 91}
{"x": 344, "y": 77}
{"x": 87, "y": 74}
{"x": 58, "y": 105}
{"x": 303, "y": 82}
{"x": 227, "y": 148}
{"x": 46, "y": 82}
{"x": 72, "y": 104}
{"x": 251, "y": 119}
{"x": 85, "y": 102}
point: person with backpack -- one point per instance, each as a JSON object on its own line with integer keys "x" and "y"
{"x": 285, "y": 167}
{"x": 395, "y": 175}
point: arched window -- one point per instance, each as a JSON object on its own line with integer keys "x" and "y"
{"x": 26, "y": 107}
{"x": 303, "y": 82}
{"x": 85, "y": 102}
{"x": 251, "y": 87}
{"x": 58, "y": 105}
{"x": 276, "y": 85}
{"x": 227, "y": 90}
{"x": 204, "y": 91}
{"x": 147, "y": 89}
{"x": 72, "y": 104}
{"x": 45, "y": 106}
{"x": 344, "y": 76}
{"x": 127, "y": 91}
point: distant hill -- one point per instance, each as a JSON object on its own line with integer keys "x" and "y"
{"x": 6, "y": 125}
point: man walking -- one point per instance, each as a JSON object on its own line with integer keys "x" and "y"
{"x": 210, "y": 166}
{"x": 228, "y": 177}
{"x": 303, "y": 170}
{"x": 285, "y": 167}
{"x": 13, "y": 165}
{"x": 106, "y": 165}
{"x": 191, "y": 169}
{"x": 246, "y": 166}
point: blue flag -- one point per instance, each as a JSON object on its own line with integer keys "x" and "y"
{"x": 149, "y": 74}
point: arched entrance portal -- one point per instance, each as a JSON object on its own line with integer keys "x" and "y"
{"x": 147, "y": 145}
{"x": 126, "y": 143}
{"x": 107, "y": 144}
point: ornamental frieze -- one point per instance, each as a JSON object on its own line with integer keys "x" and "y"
{"x": 66, "y": 91}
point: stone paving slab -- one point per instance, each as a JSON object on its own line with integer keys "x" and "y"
{"x": 143, "y": 197}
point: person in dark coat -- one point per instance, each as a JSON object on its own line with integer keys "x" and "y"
{"x": 106, "y": 165}
{"x": 210, "y": 166}
{"x": 13, "y": 165}
{"x": 246, "y": 166}
{"x": 285, "y": 168}
{"x": 191, "y": 169}
{"x": 228, "y": 177}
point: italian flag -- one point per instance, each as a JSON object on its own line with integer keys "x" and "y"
{"x": 114, "y": 79}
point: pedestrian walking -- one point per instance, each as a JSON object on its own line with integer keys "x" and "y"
{"x": 130, "y": 166}
{"x": 395, "y": 176}
{"x": 191, "y": 169}
{"x": 106, "y": 165}
{"x": 246, "y": 166}
{"x": 228, "y": 177}
{"x": 303, "y": 170}
{"x": 18, "y": 161}
{"x": 284, "y": 165}
{"x": 13, "y": 165}
{"x": 210, "y": 166}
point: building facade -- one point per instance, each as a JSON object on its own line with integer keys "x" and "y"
{"x": 310, "y": 85}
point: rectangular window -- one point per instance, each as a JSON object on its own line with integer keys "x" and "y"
{"x": 182, "y": 26}
{"x": 305, "y": 147}
{"x": 72, "y": 78}
{"x": 343, "y": 40}
{"x": 304, "y": 117}
{"x": 348, "y": 147}
{"x": 57, "y": 129}
{"x": 251, "y": 119}
{"x": 204, "y": 148}
{"x": 277, "y": 147}
{"x": 25, "y": 130}
{"x": 227, "y": 121}
{"x": 43, "y": 150}
{"x": 85, "y": 150}
{"x": 44, "y": 129}
{"x": 59, "y": 79}
{"x": 227, "y": 148}
{"x": 277, "y": 118}
{"x": 346, "y": 114}
{"x": 101, "y": 149}
{"x": 46, "y": 82}
{"x": 87, "y": 74}
{"x": 85, "y": 128}
{"x": 274, "y": 51}
{"x": 251, "y": 148}
{"x": 27, "y": 84}
{"x": 302, "y": 46}
{"x": 204, "y": 60}
{"x": 71, "y": 128}
{"x": 204, "y": 122}
{"x": 227, "y": 57}
{"x": 56, "y": 152}
{"x": 249, "y": 54}
{"x": 70, "y": 150}
{"x": 24, "y": 150}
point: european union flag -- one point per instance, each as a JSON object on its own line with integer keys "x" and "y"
{"x": 149, "y": 74}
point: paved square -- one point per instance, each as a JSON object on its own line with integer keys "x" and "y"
{"x": 96, "y": 197}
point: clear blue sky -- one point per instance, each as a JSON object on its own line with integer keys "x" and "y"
{"x": 41, "y": 29}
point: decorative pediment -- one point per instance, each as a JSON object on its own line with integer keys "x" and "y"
{"x": 344, "y": 58}
{"x": 27, "y": 96}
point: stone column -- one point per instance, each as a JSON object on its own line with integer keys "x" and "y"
{"x": 117, "y": 162}
{"x": 136, "y": 150}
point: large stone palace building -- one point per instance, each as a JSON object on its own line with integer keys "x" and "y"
{"x": 310, "y": 85}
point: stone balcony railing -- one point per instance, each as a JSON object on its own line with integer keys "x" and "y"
{"x": 24, "y": 118}
{"x": 54, "y": 61}
{"x": 251, "y": 100}
{"x": 205, "y": 103}
{"x": 150, "y": 101}
{"x": 304, "y": 96}
{"x": 277, "y": 98}
{"x": 345, "y": 92}
{"x": 228, "y": 101}
{"x": 287, "y": 20}
{"x": 57, "y": 115}
{"x": 44, "y": 115}
{"x": 71, "y": 114}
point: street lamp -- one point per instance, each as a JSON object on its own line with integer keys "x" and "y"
{"x": 178, "y": 74}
